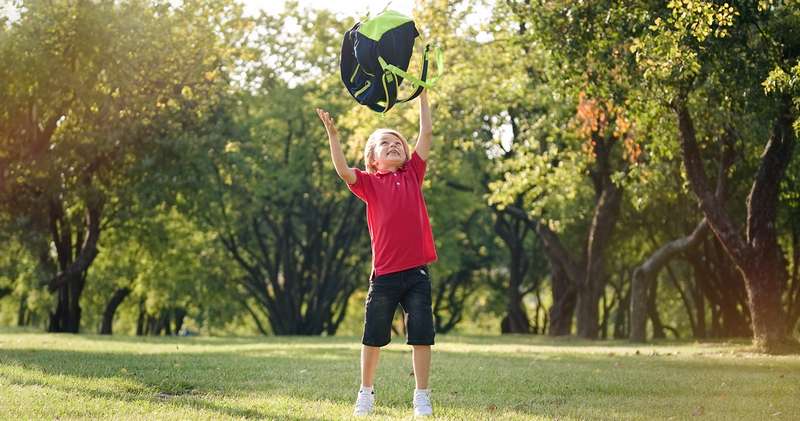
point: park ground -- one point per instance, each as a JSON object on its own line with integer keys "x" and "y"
{"x": 64, "y": 376}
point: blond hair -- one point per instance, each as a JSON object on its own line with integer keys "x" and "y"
{"x": 372, "y": 141}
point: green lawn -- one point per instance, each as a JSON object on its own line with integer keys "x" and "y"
{"x": 49, "y": 376}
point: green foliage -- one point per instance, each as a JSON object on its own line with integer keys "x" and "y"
{"x": 21, "y": 280}
{"x": 190, "y": 121}
{"x": 168, "y": 263}
{"x": 99, "y": 101}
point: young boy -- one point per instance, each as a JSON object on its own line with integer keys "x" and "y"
{"x": 402, "y": 246}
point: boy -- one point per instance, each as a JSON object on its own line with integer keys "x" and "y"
{"x": 402, "y": 246}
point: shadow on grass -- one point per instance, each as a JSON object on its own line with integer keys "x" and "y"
{"x": 201, "y": 340}
{"x": 508, "y": 339}
{"x": 312, "y": 370}
{"x": 574, "y": 341}
{"x": 186, "y": 379}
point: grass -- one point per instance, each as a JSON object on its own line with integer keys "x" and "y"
{"x": 62, "y": 376}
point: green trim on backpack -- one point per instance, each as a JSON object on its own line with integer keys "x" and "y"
{"x": 364, "y": 88}
{"x": 355, "y": 72}
{"x": 385, "y": 92}
{"x": 377, "y": 26}
{"x": 439, "y": 58}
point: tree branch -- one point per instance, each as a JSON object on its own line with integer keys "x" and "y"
{"x": 712, "y": 207}
{"x": 762, "y": 202}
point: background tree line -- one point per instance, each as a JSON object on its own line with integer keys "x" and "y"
{"x": 602, "y": 169}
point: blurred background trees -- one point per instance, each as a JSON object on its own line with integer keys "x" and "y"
{"x": 600, "y": 169}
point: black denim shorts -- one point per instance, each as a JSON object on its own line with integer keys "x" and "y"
{"x": 412, "y": 290}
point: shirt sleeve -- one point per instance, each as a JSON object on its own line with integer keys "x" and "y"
{"x": 359, "y": 188}
{"x": 418, "y": 166}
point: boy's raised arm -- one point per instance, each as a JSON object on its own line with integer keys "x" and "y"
{"x": 423, "y": 146}
{"x": 339, "y": 161}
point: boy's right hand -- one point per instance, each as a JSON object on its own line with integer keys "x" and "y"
{"x": 339, "y": 161}
{"x": 328, "y": 122}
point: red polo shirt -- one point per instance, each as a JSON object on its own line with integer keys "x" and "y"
{"x": 396, "y": 216}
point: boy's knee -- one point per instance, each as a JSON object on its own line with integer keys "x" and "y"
{"x": 374, "y": 343}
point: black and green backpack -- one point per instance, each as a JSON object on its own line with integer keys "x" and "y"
{"x": 375, "y": 58}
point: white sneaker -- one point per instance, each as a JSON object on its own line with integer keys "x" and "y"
{"x": 422, "y": 403}
{"x": 364, "y": 403}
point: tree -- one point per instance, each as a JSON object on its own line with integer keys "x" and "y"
{"x": 738, "y": 55}
{"x": 163, "y": 262}
{"x": 590, "y": 134}
{"x": 271, "y": 197}
{"x": 98, "y": 94}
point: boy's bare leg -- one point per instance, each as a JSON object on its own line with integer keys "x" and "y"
{"x": 422, "y": 365}
{"x": 369, "y": 363}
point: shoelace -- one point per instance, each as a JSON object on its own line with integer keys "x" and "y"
{"x": 364, "y": 400}
{"x": 422, "y": 399}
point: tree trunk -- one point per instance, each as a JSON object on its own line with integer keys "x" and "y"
{"x": 758, "y": 256}
{"x": 111, "y": 308}
{"x": 606, "y": 211}
{"x": 622, "y": 315}
{"x": 165, "y": 322}
{"x": 766, "y": 274}
{"x": 67, "y": 317}
{"x": 794, "y": 288}
{"x": 591, "y": 289}
{"x": 140, "y": 321}
{"x": 513, "y": 234}
{"x": 564, "y": 300}
{"x": 587, "y": 312}
{"x": 565, "y": 273}
{"x": 23, "y": 309}
{"x": 180, "y": 315}
{"x": 159, "y": 323}
{"x": 652, "y": 312}
{"x": 516, "y": 319}
{"x": 69, "y": 282}
{"x": 699, "y": 327}
{"x": 149, "y": 325}
{"x": 722, "y": 285}
{"x": 644, "y": 276}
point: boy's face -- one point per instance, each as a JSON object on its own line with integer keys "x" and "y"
{"x": 390, "y": 152}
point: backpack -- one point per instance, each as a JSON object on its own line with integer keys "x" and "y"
{"x": 375, "y": 57}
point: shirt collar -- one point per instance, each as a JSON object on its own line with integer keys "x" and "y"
{"x": 398, "y": 171}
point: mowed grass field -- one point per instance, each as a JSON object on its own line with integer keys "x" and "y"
{"x": 63, "y": 376}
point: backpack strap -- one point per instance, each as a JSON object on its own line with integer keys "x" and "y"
{"x": 414, "y": 80}
{"x": 389, "y": 102}
{"x": 384, "y": 106}
{"x": 423, "y": 77}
